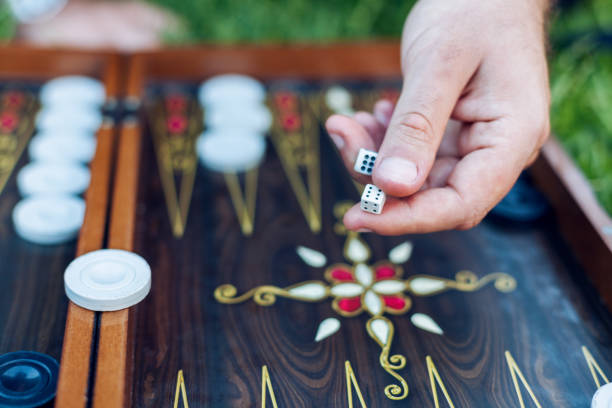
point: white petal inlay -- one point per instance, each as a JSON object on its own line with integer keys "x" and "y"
{"x": 372, "y": 302}
{"x": 327, "y": 327}
{"x": 356, "y": 251}
{"x": 364, "y": 274}
{"x": 401, "y": 253}
{"x": 422, "y": 321}
{"x": 311, "y": 257}
{"x": 380, "y": 328}
{"x": 311, "y": 291}
{"x": 389, "y": 287}
{"x": 347, "y": 290}
{"x": 425, "y": 286}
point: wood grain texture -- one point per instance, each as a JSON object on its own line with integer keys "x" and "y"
{"x": 583, "y": 221}
{"x": 78, "y": 336}
{"x": 221, "y": 348}
{"x": 114, "y": 358}
{"x": 73, "y": 384}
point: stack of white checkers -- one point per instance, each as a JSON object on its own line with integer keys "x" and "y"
{"x": 107, "y": 280}
{"x": 52, "y": 210}
{"x": 236, "y": 120}
{"x": 373, "y": 198}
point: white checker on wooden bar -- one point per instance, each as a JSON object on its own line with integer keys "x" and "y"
{"x": 365, "y": 162}
{"x": 373, "y": 199}
{"x": 107, "y": 280}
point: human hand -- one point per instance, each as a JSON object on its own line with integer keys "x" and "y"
{"x": 481, "y": 64}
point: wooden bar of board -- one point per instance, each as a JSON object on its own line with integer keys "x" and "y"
{"x": 78, "y": 336}
{"x": 114, "y": 362}
{"x": 73, "y": 383}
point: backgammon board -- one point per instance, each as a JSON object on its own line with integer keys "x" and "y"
{"x": 260, "y": 297}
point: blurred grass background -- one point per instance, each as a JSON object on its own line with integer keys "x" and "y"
{"x": 580, "y": 62}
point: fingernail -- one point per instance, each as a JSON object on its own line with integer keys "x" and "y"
{"x": 364, "y": 230}
{"x": 338, "y": 140}
{"x": 397, "y": 170}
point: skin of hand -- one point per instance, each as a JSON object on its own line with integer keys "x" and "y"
{"x": 472, "y": 114}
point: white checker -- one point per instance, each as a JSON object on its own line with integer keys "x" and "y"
{"x": 603, "y": 397}
{"x": 252, "y": 117}
{"x": 49, "y": 219}
{"x": 339, "y": 99}
{"x": 364, "y": 163}
{"x": 52, "y": 178}
{"x": 373, "y": 199}
{"x": 107, "y": 280}
{"x": 231, "y": 150}
{"x": 62, "y": 147}
{"x": 68, "y": 118}
{"x": 231, "y": 88}
{"x": 73, "y": 90}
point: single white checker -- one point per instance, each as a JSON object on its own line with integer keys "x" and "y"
{"x": 49, "y": 219}
{"x": 62, "y": 147}
{"x": 364, "y": 163}
{"x": 73, "y": 90}
{"x": 231, "y": 150}
{"x": 68, "y": 118}
{"x": 254, "y": 117}
{"x": 231, "y": 88}
{"x": 107, "y": 280}
{"x": 339, "y": 99}
{"x": 373, "y": 199}
{"x": 52, "y": 178}
{"x": 603, "y": 397}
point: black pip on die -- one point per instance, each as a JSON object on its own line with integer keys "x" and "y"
{"x": 372, "y": 199}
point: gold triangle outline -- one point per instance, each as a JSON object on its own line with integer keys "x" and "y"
{"x": 307, "y": 192}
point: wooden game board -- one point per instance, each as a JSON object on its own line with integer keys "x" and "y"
{"x": 233, "y": 311}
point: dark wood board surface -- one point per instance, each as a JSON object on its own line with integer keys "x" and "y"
{"x": 32, "y": 301}
{"x": 221, "y": 348}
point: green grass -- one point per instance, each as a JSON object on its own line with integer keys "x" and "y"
{"x": 7, "y": 24}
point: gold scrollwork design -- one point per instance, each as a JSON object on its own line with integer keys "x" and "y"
{"x": 390, "y": 363}
{"x": 467, "y": 281}
{"x": 265, "y": 295}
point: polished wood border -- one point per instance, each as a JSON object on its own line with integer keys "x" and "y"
{"x": 582, "y": 220}
{"x": 72, "y": 390}
{"x": 114, "y": 362}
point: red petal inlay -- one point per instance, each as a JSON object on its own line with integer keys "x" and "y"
{"x": 349, "y": 304}
{"x": 291, "y": 122}
{"x": 13, "y": 99}
{"x": 384, "y": 272}
{"x": 344, "y": 275}
{"x": 175, "y": 103}
{"x": 176, "y": 124}
{"x": 395, "y": 302}
{"x": 8, "y": 121}
{"x": 285, "y": 100}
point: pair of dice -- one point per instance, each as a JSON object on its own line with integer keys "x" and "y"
{"x": 373, "y": 198}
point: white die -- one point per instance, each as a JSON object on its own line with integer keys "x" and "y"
{"x": 365, "y": 162}
{"x": 372, "y": 199}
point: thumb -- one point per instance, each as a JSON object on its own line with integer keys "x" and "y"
{"x": 432, "y": 86}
